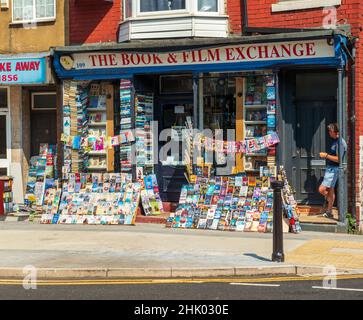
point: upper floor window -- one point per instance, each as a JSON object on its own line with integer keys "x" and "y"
{"x": 161, "y": 5}
{"x": 135, "y": 8}
{"x": 34, "y": 10}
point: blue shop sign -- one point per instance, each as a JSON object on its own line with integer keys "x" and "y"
{"x": 22, "y": 71}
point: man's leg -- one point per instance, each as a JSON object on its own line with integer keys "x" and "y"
{"x": 323, "y": 190}
{"x": 330, "y": 198}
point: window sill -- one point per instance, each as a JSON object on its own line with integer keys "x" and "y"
{"x": 173, "y": 16}
{"x": 17, "y": 23}
{"x": 303, "y": 5}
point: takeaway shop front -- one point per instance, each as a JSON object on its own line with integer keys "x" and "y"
{"x": 27, "y": 113}
{"x": 258, "y": 85}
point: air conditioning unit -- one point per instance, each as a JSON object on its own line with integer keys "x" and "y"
{"x": 4, "y": 4}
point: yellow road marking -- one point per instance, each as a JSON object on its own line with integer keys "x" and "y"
{"x": 171, "y": 281}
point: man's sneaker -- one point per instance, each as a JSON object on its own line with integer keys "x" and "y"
{"x": 328, "y": 214}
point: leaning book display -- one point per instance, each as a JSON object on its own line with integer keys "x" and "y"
{"x": 235, "y": 203}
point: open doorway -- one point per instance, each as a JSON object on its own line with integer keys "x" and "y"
{"x": 309, "y": 105}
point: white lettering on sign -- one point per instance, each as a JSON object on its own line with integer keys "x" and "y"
{"x": 226, "y": 54}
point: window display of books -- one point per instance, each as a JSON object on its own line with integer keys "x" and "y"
{"x": 239, "y": 203}
{"x": 144, "y": 105}
{"x": 96, "y": 160}
{"x": 259, "y": 107}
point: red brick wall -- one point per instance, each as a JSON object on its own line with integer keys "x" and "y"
{"x": 93, "y": 21}
{"x": 260, "y": 15}
{"x": 233, "y": 9}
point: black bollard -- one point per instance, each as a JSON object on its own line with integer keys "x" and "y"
{"x": 278, "y": 247}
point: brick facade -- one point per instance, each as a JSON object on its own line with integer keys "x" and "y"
{"x": 92, "y": 21}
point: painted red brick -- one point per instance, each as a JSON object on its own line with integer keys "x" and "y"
{"x": 92, "y": 21}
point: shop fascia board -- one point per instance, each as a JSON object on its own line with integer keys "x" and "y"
{"x": 169, "y": 44}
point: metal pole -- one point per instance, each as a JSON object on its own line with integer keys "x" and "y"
{"x": 342, "y": 197}
{"x": 278, "y": 248}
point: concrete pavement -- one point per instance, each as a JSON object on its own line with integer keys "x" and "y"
{"x": 153, "y": 250}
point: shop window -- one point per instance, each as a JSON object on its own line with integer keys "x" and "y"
{"x": 176, "y": 84}
{"x": 219, "y": 102}
{"x": 44, "y": 101}
{"x": 34, "y": 10}
{"x": 3, "y": 98}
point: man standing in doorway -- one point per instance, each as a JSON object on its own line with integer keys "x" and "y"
{"x": 332, "y": 169}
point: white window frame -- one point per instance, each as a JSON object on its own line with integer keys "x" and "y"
{"x": 160, "y": 13}
{"x": 4, "y": 4}
{"x": 35, "y": 19}
{"x": 5, "y": 163}
{"x": 42, "y": 93}
{"x": 291, "y": 5}
{"x": 191, "y": 8}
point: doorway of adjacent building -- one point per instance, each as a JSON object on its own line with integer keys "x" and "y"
{"x": 43, "y": 120}
{"x": 309, "y": 105}
{"x": 5, "y": 134}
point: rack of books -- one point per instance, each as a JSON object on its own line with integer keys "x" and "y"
{"x": 235, "y": 203}
{"x": 126, "y": 114}
{"x": 259, "y": 109}
{"x": 290, "y": 206}
{"x": 75, "y": 124}
{"x": 150, "y": 196}
{"x": 41, "y": 173}
{"x": 144, "y": 106}
{"x": 6, "y": 195}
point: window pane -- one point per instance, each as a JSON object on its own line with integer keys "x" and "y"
{"x": 161, "y": 5}
{"x": 177, "y": 84}
{"x": 28, "y": 13}
{"x": 45, "y": 101}
{"x": 44, "y": 8}
{"x": 3, "y": 98}
{"x": 2, "y": 137}
{"x": 128, "y": 8}
{"x": 208, "y": 5}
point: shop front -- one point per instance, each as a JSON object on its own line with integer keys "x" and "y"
{"x": 28, "y": 99}
{"x": 125, "y": 97}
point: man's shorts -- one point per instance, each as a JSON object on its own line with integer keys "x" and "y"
{"x": 330, "y": 177}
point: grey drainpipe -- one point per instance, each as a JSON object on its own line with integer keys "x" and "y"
{"x": 244, "y": 16}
